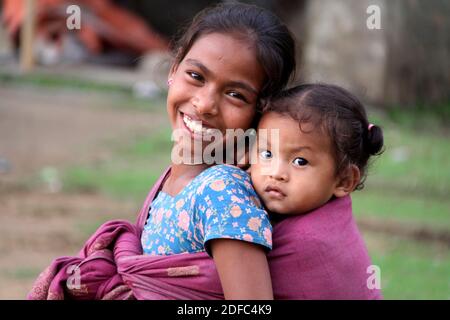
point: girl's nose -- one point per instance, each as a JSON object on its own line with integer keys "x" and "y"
{"x": 206, "y": 102}
{"x": 279, "y": 172}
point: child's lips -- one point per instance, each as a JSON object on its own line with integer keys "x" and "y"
{"x": 274, "y": 192}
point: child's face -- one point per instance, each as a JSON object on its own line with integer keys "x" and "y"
{"x": 298, "y": 175}
{"x": 216, "y": 83}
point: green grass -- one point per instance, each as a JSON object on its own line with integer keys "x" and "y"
{"x": 419, "y": 160}
{"x": 410, "y": 269}
{"x": 410, "y": 181}
{"x": 130, "y": 173}
{"x": 422, "y": 117}
{"x": 411, "y": 209}
{"x": 123, "y": 95}
{"x": 410, "y": 184}
{"x": 58, "y": 81}
{"x": 22, "y": 273}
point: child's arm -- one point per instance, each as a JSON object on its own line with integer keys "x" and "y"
{"x": 243, "y": 269}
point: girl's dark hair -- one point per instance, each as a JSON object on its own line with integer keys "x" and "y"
{"x": 340, "y": 115}
{"x": 274, "y": 44}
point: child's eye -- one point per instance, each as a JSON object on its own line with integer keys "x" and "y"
{"x": 238, "y": 95}
{"x": 300, "y": 162}
{"x": 266, "y": 154}
{"x": 195, "y": 75}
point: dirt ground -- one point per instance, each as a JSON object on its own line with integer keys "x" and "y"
{"x": 53, "y": 127}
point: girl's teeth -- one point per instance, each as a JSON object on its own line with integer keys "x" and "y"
{"x": 196, "y": 126}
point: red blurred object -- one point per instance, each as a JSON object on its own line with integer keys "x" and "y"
{"x": 103, "y": 25}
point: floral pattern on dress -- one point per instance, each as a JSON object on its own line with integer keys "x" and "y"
{"x": 218, "y": 203}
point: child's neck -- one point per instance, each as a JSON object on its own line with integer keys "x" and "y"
{"x": 181, "y": 175}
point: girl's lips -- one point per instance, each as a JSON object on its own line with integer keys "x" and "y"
{"x": 274, "y": 192}
{"x": 206, "y": 130}
{"x": 197, "y": 119}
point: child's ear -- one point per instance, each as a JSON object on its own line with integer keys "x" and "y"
{"x": 173, "y": 69}
{"x": 347, "y": 182}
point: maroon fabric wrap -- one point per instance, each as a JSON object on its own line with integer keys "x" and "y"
{"x": 111, "y": 266}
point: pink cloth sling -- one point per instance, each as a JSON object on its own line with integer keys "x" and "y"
{"x": 111, "y": 264}
{"x": 321, "y": 255}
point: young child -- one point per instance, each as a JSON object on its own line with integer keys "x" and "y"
{"x": 230, "y": 58}
{"x": 308, "y": 171}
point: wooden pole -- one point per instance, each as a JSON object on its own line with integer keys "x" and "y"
{"x": 27, "y": 36}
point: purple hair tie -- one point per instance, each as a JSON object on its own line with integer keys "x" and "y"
{"x": 370, "y": 126}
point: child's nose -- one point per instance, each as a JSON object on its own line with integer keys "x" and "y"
{"x": 279, "y": 173}
{"x": 206, "y": 101}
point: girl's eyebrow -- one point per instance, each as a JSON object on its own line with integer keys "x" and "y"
{"x": 199, "y": 65}
{"x": 237, "y": 84}
{"x": 301, "y": 148}
{"x": 242, "y": 85}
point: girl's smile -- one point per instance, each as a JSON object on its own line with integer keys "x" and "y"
{"x": 214, "y": 88}
{"x": 197, "y": 128}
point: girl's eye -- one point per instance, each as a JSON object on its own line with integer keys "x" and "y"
{"x": 195, "y": 76}
{"x": 237, "y": 95}
{"x": 266, "y": 154}
{"x": 300, "y": 162}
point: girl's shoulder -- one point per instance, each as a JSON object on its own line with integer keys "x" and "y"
{"x": 225, "y": 172}
{"x": 228, "y": 179}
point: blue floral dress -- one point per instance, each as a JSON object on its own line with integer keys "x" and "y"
{"x": 220, "y": 202}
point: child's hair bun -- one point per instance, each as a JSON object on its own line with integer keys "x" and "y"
{"x": 375, "y": 140}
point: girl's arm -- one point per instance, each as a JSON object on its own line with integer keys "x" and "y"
{"x": 243, "y": 269}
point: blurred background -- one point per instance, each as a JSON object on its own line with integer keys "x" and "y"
{"x": 84, "y": 134}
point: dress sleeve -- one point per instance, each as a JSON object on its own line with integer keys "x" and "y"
{"x": 229, "y": 208}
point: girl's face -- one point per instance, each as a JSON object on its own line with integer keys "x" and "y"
{"x": 216, "y": 86}
{"x": 295, "y": 174}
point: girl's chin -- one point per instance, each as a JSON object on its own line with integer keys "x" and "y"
{"x": 277, "y": 208}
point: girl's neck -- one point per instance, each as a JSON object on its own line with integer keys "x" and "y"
{"x": 186, "y": 171}
{"x": 180, "y": 176}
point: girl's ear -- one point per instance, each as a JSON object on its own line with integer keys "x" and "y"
{"x": 173, "y": 69}
{"x": 347, "y": 182}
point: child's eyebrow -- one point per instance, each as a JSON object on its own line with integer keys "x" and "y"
{"x": 297, "y": 149}
{"x": 242, "y": 85}
{"x": 199, "y": 65}
{"x": 237, "y": 84}
{"x": 301, "y": 148}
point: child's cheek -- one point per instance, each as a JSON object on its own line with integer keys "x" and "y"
{"x": 255, "y": 178}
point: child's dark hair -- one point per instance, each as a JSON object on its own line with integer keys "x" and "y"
{"x": 274, "y": 44}
{"x": 340, "y": 115}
